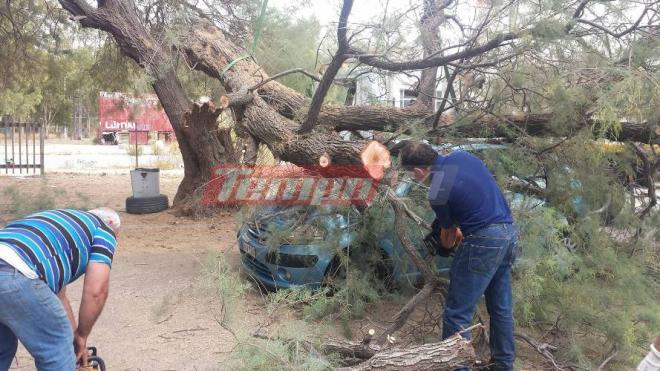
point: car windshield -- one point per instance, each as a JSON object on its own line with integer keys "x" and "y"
{"x": 296, "y": 224}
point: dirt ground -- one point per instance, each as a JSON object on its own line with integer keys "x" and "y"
{"x": 160, "y": 313}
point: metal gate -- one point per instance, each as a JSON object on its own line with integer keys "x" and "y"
{"x": 23, "y": 147}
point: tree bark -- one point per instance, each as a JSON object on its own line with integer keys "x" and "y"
{"x": 432, "y": 17}
{"x": 208, "y": 49}
{"x": 453, "y": 352}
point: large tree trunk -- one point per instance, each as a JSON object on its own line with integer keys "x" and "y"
{"x": 202, "y": 146}
{"x": 210, "y": 51}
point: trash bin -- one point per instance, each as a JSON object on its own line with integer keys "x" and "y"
{"x": 145, "y": 182}
{"x": 146, "y": 197}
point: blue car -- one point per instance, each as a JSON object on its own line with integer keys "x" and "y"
{"x": 320, "y": 236}
{"x": 287, "y": 246}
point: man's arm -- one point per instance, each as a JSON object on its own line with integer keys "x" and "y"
{"x": 95, "y": 292}
{"x": 67, "y": 307}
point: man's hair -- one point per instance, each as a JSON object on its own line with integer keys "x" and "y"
{"x": 108, "y": 216}
{"x": 417, "y": 154}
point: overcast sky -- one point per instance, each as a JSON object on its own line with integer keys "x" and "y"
{"x": 327, "y": 11}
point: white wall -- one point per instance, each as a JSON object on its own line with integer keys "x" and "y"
{"x": 384, "y": 89}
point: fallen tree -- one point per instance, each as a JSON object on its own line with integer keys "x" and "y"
{"x": 303, "y": 131}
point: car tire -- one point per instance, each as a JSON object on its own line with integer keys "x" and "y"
{"x": 146, "y": 205}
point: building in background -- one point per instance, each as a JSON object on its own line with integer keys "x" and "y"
{"x": 127, "y": 119}
{"x": 366, "y": 87}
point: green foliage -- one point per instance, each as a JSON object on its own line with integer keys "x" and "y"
{"x": 594, "y": 295}
{"x": 635, "y": 97}
{"x": 287, "y": 43}
{"x": 567, "y": 103}
{"x": 575, "y": 273}
{"x": 277, "y": 354}
{"x": 548, "y": 29}
{"x": 289, "y": 348}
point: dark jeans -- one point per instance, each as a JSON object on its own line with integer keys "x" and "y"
{"x": 482, "y": 265}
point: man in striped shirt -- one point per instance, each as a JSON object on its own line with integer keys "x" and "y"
{"x": 39, "y": 255}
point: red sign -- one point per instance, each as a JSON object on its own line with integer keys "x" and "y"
{"x": 122, "y": 112}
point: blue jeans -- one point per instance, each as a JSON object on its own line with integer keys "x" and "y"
{"x": 482, "y": 265}
{"x": 32, "y": 313}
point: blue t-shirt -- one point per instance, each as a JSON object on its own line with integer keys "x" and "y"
{"x": 58, "y": 244}
{"x": 464, "y": 193}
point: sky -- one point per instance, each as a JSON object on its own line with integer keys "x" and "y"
{"x": 367, "y": 11}
{"x": 327, "y": 11}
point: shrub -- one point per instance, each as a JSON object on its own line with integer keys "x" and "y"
{"x": 21, "y": 204}
{"x": 132, "y": 150}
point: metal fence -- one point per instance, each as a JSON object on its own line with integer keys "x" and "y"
{"x": 23, "y": 147}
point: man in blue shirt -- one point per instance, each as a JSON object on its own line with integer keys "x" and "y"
{"x": 474, "y": 222}
{"x": 39, "y": 255}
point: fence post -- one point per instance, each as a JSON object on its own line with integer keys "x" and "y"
{"x": 13, "y": 134}
{"x": 20, "y": 148}
{"x": 41, "y": 147}
{"x": 5, "y": 122}
{"x": 27, "y": 147}
{"x": 34, "y": 148}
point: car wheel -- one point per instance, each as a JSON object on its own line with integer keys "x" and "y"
{"x": 146, "y": 205}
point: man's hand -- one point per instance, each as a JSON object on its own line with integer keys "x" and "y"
{"x": 80, "y": 347}
{"x": 445, "y": 242}
{"x": 450, "y": 238}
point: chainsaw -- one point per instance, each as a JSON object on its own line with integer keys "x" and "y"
{"x": 94, "y": 362}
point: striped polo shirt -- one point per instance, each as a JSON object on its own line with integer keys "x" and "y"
{"x": 58, "y": 244}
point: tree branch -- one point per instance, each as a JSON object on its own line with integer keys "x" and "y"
{"x": 451, "y": 353}
{"x": 284, "y": 73}
{"x": 331, "y": 71}
{"x": 617, "y": 34}
{"x": 649, "y": 172}
{"x": 445, "y": 97}
{"x": 580, "y": 9}
{"x": 431, "y": 279}
{"x": 235, "y": 100}
{"x": 434, "y": 61}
